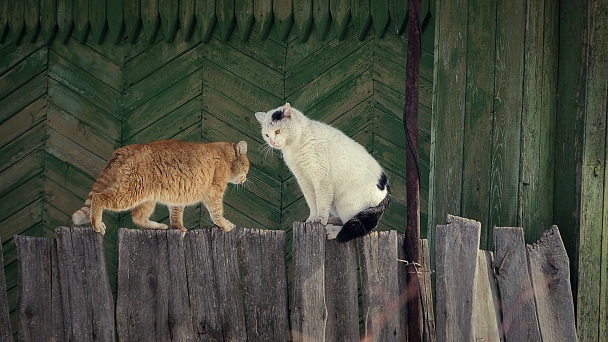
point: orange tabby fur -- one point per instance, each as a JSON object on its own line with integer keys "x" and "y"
{"x": 171, "y": 172}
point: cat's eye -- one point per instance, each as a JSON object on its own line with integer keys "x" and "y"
{"x": 277, "y": 131}
{"x": 266, "y": 135}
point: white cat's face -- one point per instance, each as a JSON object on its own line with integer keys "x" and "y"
{"x": 276, "y": 126}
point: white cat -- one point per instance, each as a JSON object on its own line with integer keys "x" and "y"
{"x": 336, "y": 174}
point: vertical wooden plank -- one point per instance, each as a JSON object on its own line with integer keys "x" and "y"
{"x": 340, "y": 13}
{"x": 262, "y": 260}
{"x": 302, "y": 18}
{"x": 48, "y": 18}
{"x": 98, "y": 20}
{"x": 456, "y": 263}
{"x": 479, "y": 92}
{"x": 403, "y": 253}
{"x": 169, "y": 18}
{"x": 115, "y": 20}
{"x": 398, "y": 13}
{"x": 88, "y": 305}
{"x": 538, "y": 119}
{"x": 263, "y": 17}
{"x": 244, "y": 17}
{"x": 16, "y": 10}
{"x": 205, "y": 16}
{"x": 362, "y": 18}
{"x": 4, "y": 14}
{"x": 32, "y": 20}
{"x": 380, "y": 16}
{"x": 39, "y": 302}
{"x": 519, "y": 318}
{"x": 224, "y": 10}
{"x": 322, "y": 18}
{"x": 506, "y": 139}
{"x": 341, "y": 283}
{"x": 5, "y": 323}
{"x": 486, "y": 313}
{"x": 379, "y": 285}
{"x": 81, "y": 20}
{"x": 132, "y": 16}
{"x": 430, "y": 332}
{"x": 550, "y": 276}
{"x": 187, "y": 17}
{"x": 308, "y": 311}
{"x": 150, "y": 20}
{"x": 152, "y": 301}
{"x": 65, "y": 19}
{"x": 283, "y": 17}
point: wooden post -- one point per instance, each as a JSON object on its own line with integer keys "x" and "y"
{"x": 5, "y": 322}
{"x": 410, "y": 118}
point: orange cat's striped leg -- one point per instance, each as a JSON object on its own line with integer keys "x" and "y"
{"x": 141, "y": 216}
{"x": 97, "y": 207}
{"x": 216, "y": 211}
{"x": 177, "y": 218}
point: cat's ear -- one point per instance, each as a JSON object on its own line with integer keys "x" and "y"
{"x": 287, "y": 110}
{"x": 260, "y": 116}
{"x": 241, "y": 148}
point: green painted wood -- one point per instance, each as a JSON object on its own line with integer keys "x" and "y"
{"x": 380, "y": 16}
{"x": 16, "y": 20}
{"x": 82, "y": 24}
{"x": 65, "y": 19}
{"x": 150, "y": 20}
{"x": 263, "y": 17}
{"x": 32, "y": 20}
{"x": 340, "y": 13}
{"x": 283, "y": 17}
{"x": 98, "y": 19}
{"x": 48, "y": 10}
{"x": 302, "y": 18}
{"x": 23, "y": 72}
{"x": 115, "y": 20}
{"x": 22, "y": 121}
{"x": 398, "y": 10}
{"x": 4, "y": 27}
{"x": 478, "y": 120}
{"x": 187, "y": 17}
{"x": 131, "y": 12}
{"x": 22, "y": 146}
{"x": 169, "y": 17}
{"x": 361, "y": 17}
{"x": 244, "y": 17}
{"x": 322, "y": 18}
{"x": 205, "y": 17}
{"x": 20, "y": 197}
{"x": 224, "y": 10}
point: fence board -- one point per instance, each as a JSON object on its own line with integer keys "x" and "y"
{"x": 456, "y": 253}
{"x": 549, "y": 272}
{"x": 520, "y": 322}
{"x": 152, "y": 292}
{"x": 379, "y": 285}
{"x": 5, "y": 324}
{"x": 485, "y": 301}
{"x": 308, "y": 316}
{"x": 341, "y": 285}
{"x": 264, "y": 280}
{"x": 427, "y": 293}
{"x": 88, "y": 305}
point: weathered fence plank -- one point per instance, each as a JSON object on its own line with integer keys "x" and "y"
{"x": 309, "y": 314}
{"x": 550, "y": 272}
{"x": 519, "y": 319}
{"x": 264, "y": 281}
{"x": 380, "y": 286}
{"x": 39, "y": 303}
{"x": 427, "y": 293}
{"x": 5, "y": 324}
{"x": 485, "y": 300}
{"x": 341, "y": 287}
{"x": 456, "y": 255}
{"x": 152, "y": 291}
{"x": 87, "y": 302}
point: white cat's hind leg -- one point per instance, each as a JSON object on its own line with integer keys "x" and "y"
{"x": 332, "y": 231}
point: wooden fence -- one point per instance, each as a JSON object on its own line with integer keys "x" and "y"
{"x": 215, "y": 286}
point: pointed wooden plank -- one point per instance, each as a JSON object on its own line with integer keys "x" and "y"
{"x": 5, "y": 323}
{"x": 283, "y": 17}
{"x": 244, "y": 17}
{"x": 380, "y": 286}
{"x": 150, "y": 20}
{"x": 550, "y": 275}
{"x": 519, "y": 317}
{"x": 398, "y": 11}
{"x": 187, "y": 18}
{"x": 4, "y": 14}
{"x": 308, "y": 312}
{"x": 322, "y": 18}
{"x": 82, "y": 25}
{"x": 262, "y": 257}
{"x": 341, "y": 282}
{"x": 205, "y": 16}
{"x": 380, "y": 16}
{"x": 224, "y": 10}
{"x": 362, "y": 18}
{"x": 263, "y": 17}
{"x": 65, "y": 19}
{"x": 98, "y": 19}
{"x": 430, "y": 333}
{"x": 456, "y": 260}
{"x": 32, "y": 20}
{"x": 88, "y": 305}
{"x": 485, "y": 302}
{"x": 302, "y": 18}
{"x": 340, "y": 13}
{"x": 169, "y": 18}
{"x": 48, "y": 11}
{"x": 115, "y": 20}
{"x": 16, "y": 10}
{"x": 152, "y": 301}
{"x": 132, "y": 16}
{"x": 39, "y": 303}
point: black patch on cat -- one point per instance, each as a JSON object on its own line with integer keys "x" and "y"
{"x": 365, "y": 221}
{"x": 277, "y": 116}
{"x": 382, "y": 182}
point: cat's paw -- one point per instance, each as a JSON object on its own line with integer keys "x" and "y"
{"x": 180, "y": 227}
{"x": 100, "y": 228}
{"x": 331, "y": 231}
{"x": 311, "y": 218}
{"x": 227, "y": 226}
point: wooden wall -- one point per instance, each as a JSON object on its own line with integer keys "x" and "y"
{"x": 81, "y": 82}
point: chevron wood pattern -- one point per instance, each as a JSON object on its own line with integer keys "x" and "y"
{"x": 67, "y": 102}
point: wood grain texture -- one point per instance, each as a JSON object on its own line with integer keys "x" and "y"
{"x": 6, "y": 334}
{"x": 430, "y": 330}
{"x": 485, "y": 301}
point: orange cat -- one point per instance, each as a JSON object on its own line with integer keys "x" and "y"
{"x": 171, "y": 172}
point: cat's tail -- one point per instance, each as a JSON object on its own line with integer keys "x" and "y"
{"x": 364, "y": 222}
{"x": 83, "y": 215}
